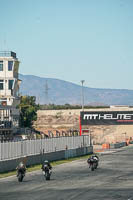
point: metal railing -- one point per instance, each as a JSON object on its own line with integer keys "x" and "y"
{"x": 7, "y": 54}
{"x": 12, "y": 150}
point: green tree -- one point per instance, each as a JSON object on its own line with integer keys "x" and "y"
{"x": 28, "y": 110}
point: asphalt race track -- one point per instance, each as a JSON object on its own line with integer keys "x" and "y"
{"x": 74, "y": 181}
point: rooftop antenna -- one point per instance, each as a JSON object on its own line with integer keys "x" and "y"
{"x": 5, "y": 44}
{"x": 2, "y": 45}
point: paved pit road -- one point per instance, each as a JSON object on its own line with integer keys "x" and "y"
{"x": 113, "y": 180}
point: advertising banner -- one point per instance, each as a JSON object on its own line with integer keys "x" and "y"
{"x": 107, "y": 118}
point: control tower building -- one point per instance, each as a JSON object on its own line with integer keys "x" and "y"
{"x": 9, "y": 96}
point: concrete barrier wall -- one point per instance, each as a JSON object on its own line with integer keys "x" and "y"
{"x": 9, "y": 165}
{"x": 117, "y": 145}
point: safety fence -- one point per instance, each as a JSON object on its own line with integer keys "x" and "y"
{"x": 11, "y": 150}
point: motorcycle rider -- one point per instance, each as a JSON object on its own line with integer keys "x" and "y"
{"x": 46, "y": 162}
{"x": 93, "y": 158}
{"x": 21, "y": 168}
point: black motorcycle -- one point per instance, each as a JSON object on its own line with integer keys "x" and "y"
{"x": 96, "y": 164}
{"x": 20, "y": 175}
{"x": 47, "y": 172}
{"x": 93, "y": 164}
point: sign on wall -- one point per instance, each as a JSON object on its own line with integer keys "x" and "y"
{"x": 107, "y": 118}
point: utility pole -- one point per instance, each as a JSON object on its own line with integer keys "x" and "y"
{"x": 82, "y": 82}
{"x": 46, "y": 92}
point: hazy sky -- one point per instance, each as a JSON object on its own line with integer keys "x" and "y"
{"x": 71, "y": 39}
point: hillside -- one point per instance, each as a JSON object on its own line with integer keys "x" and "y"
{"x": 55, "y": 91}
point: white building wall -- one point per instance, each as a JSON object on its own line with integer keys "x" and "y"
{"x": 7, "y": 75}
{"x": 9, "y": 97}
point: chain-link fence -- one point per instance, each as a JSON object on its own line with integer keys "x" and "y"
{"x": 11, "y": 150}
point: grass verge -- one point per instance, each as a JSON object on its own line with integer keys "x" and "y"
{"x": 38, "y": 167}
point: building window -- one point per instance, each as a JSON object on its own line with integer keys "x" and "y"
{"x": 1, "y": 65}
{"x": 10, "y": 84}
{"x": 10, "y": 65}
{"x": 1, "y": 84}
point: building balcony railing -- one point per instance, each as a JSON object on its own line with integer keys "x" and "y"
{"x": 7, "y": 54}
{"x": 5, "y": 124}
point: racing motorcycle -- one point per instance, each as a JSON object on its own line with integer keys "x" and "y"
{"x": 20, "y": 175}
{"x": 93, "y": 164}
{"x": 96, "y": 164}
{"x": 47, "y": 172}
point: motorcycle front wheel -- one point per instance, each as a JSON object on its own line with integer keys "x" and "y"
{"x": 92, "y": 167}
{"x": 47, "y": 176}
{"x": 20, "y": 177}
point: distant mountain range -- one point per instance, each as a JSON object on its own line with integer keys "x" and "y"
{"x": 54, "y": 91}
